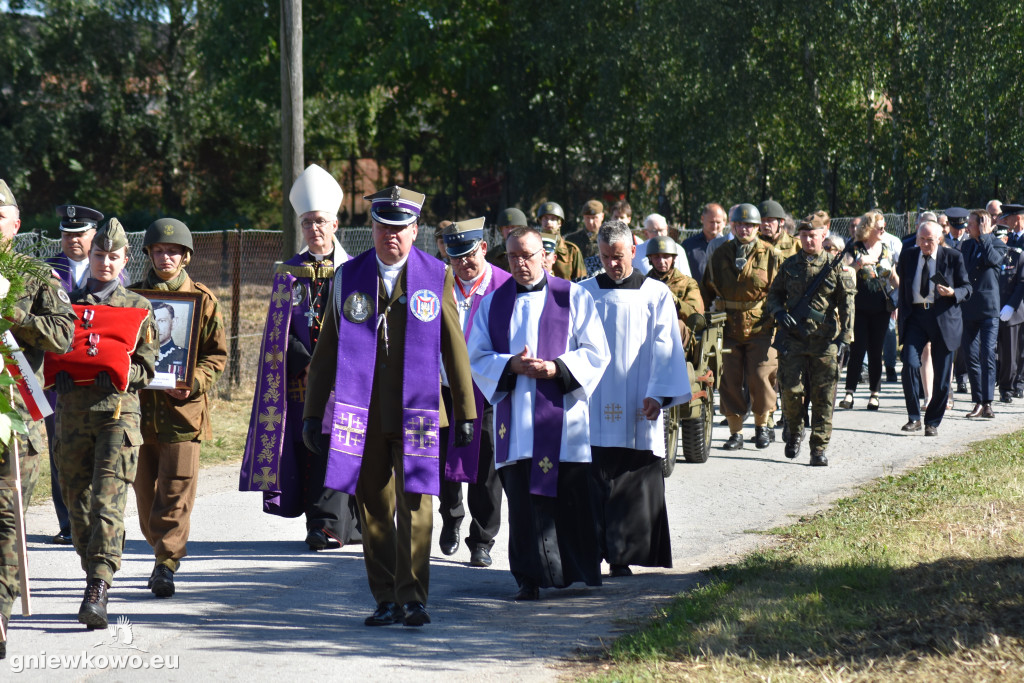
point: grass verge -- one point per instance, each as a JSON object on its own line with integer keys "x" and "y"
{"x": 920, "y": 577}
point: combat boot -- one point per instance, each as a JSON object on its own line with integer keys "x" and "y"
{"x": 93, "y": 612}
{"x": 161, "y": 581}
{"x": 762, "y": 437}
{"x": 818, "y": 458}
{"x": 734, "y": 443}
{"x": 793, "y": 444}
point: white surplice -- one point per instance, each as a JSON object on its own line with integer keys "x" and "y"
{"x": 585, "y": 356}
{"x": 647, "y": 360}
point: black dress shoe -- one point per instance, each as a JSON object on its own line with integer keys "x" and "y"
{"x": 818, "y": 458}
{"x": 912, "y": 426}
{"x": 1017, "y": 393}
{"x": 975, "y": 411}
{"x": 415, "y": 614}
{"x": 930, "y": 430}
{"x": 986, "y": 410}
{"x": 734, "y": 443}
{"x": 1005, "y": 397}
{"x": 891, "y": 376}
{"x": 480, "y": 557}
{"x": 619, "y": 570}
{"x": 761, "y": 437}
{"x": 93, "y": 612}
{"x": 449, "y": 540}
{"x": 961, "y": 387}
{"x": 387, "y": 613}
{"x": 161, "y": 582}
{"x": 316, "y": 539}
{"x": 62, "y": 538}
{"x": 527, "y": 592}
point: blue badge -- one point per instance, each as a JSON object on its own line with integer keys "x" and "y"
{"x": 425, "y": 305}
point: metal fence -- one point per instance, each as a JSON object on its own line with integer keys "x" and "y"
{"x": 238, "y": 265}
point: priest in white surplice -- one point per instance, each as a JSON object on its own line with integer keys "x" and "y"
{"x": 538, "y": 350}
{"x": 646, "y": 375}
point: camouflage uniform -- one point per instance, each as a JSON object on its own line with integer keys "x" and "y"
{"x": 42, "y": 320}
{"x": 168, "y": 471}
{"x": 814, "y": 356}
{"x": 98, "y": 439}
{"x": 784, "y": 244}
{"x": 687, "y": 298}
{"x": 740, "y": 293}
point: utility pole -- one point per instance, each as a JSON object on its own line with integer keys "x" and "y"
{"x": 292, "y": 125}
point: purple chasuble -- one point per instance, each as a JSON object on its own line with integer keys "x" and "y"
{"x": 353, "y": 383}
{"x": 261, "y": 461}
{"x": 462, "y": 464}
{"x": 548, "y": 410}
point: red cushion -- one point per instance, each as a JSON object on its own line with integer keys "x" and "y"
{"x": 115, "y": 331}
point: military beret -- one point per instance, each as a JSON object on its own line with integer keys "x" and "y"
{"x": 819, "y": 219}
{"x": 592, "y": 208}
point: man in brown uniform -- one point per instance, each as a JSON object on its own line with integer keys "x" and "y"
{"x": 773, "y": 229}
{"x": 736, "y": 281}
{"x": 662, "y": 253}
{"x": 568, "y": 259}
{"x": 174, "y": 421}
{"x": 380, "y": 420}
{"x": 586, "y": 237}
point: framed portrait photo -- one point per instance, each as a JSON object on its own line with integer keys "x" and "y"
{"x": 177, "y": 328}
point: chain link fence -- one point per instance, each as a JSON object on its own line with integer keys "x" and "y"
{"x": 238, "y": 265}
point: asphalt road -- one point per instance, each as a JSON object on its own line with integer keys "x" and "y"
{"x": 253, "y": 601}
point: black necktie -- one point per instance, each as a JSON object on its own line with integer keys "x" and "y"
{"x": 926, "y": 287}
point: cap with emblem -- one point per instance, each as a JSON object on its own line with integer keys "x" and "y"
{"x": 77, "y": 218}
{"x": 462, "y": 237}
{"x": 957, "y": 216}
{"x": 6, "y": 196}
{"x": 395, "y": 206}
{"x": 549, "y": 241}
{"x": 818, "y": 219}
{"x": 514, "y": 218}
{"x": 110, "y": 236}
{"x": 168, "y": 231}
{"x": 316, "y": 190}
{"x": 1012, "y": 209}
{"x": 770, "y": 208}
{"x": 550, "y": 209}
{"x": 592, "y": 208}
{"x": 661, "y": 245}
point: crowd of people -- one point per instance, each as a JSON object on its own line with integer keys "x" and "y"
{"x": 538, "y": 369}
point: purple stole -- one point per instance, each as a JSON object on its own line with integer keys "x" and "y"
{"x": 548, "y": 411}
{"x": 462, "y": 464}
{"x": 353, "y": 382}
{"x": 261, "y": 462}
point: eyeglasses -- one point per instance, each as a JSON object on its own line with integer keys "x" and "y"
{"x": 520, "y": 258}
{"x": 316, "y": 223}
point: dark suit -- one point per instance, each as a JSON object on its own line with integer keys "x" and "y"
{"x": 940, "y": 323}
{"x": 397, "y": 558}
{"x": 1011, "y": 332}
{"x": 983, "y": 259}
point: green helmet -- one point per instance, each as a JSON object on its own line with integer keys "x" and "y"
{"x": 745, "y": 213}
{"x": 168, "y": 231}
{"x": 552, "y": 208}
{"x": 661, "y": 245}
{"x": 771, "y": 209}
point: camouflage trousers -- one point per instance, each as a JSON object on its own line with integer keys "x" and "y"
{"x": 96, "y": 462}
{"x": 798, "y": 370}
{"x": 9, "y": 591}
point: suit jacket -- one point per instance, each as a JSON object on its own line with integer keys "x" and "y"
{"x": 983, "y": 259}
{"x": 1011, "y": 279}
{"x": 386, "y": 399}
{"x": 950, "y": 264}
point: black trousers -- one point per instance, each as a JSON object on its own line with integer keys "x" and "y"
{"x": 869, "y": 330}
{"x": 483, "y": 497}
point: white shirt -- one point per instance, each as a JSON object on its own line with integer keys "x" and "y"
{"x": 390, "y": 273}
{"x": 917, "y": 279}
{"x": 79, "y": 271}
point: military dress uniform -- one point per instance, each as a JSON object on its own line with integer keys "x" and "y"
{"x": 172, "y": 429}
{"x": 737, "y": 283}
{"x": 809, "y": 366}
{"x": 42, "y": 320}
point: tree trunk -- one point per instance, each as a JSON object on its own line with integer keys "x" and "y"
{"x": 292, "y": 144}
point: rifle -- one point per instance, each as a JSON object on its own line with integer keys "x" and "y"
{"x": 802, "y": 310}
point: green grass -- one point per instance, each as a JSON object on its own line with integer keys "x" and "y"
{"x": 919, "y": 577}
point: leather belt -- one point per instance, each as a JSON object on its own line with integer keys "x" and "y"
{"x": 925, "y": 306}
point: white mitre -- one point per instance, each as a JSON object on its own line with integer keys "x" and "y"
{"x": 316, "y": 190}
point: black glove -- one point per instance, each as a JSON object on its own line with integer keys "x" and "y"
{"x": 311, "y": 435}
{"x": 785, "y": 320}
{"x": 463, "y": 433}
{"x": 103, "y": 381}
{"x": 63, "y": 382}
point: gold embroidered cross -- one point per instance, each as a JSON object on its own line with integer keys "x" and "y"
{"x": 282, "y": 294}
{"x": 350, "y": 429}
{"x": 502, "y": 431}
{"x": 270, "y": 418}
{"x": 545, "y": 464}
{"x": 265, "y": 479}
{"x": 613, "y": 412}
{"x": 426, "y": 434}
{"x": 275, "y": 357}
